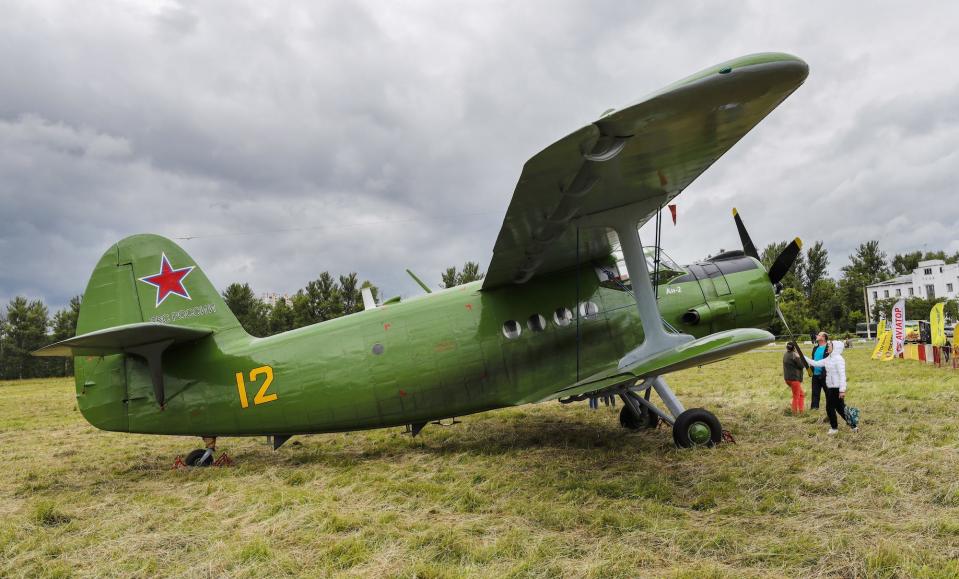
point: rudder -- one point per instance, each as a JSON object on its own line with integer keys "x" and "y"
{"x": 148, "y": 278}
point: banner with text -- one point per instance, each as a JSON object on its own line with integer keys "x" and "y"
{"x": 937, "y": 324}
{"x": 898, "y": 327}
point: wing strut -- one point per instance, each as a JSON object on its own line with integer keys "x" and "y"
{"x": 625, "y": 221}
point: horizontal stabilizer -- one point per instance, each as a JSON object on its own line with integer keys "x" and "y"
{"x": 121, "y": 339}
{"x": 705, "y": 350}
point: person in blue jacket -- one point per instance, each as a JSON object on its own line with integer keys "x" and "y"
{"x": 819, "y": 351}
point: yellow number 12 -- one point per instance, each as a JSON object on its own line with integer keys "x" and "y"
{"x": 261, "y": 396}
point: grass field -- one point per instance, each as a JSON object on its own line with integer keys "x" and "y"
{"x": 547, "y": 490}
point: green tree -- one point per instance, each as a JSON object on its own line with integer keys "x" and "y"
{"x": 3, "y": 344}
{"x": 281, "y": 317}
{"x": 64, "y": 326}
{"x": 317, "y": 302}
{"x": 795, "y": 308}
{"x": 817, "y": 264}
{"x": 351, "y": 296}
{"x": 905, "y": 263}
{"x": 470, "y": 273}
{"x": 251, "y": 311}
{"x": 826, "y": 305}
{"x": 26, "y": 330}
{"x": 867, "y": 265}
{"x": 325, "y": 298}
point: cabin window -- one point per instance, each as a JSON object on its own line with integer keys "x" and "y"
{"x": 588, "y": 310}
{"x": 512, "y": 329}
{"x": 536, "y": 323}
{"x": 563, "y": 317}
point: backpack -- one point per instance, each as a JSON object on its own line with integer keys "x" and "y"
{"x": 852, "y": 416}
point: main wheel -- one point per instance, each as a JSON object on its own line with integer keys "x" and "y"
{"x": 629, "y": 419}
{"x": 195, "y": 457}
{"x": 697, "y": 427}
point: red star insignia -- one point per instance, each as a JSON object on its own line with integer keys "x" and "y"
{"x": 169, "y": 280}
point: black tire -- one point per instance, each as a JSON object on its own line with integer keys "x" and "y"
{"x": 652, "y": 420}
{"x": 193, "y": 459}
{"x": 689, "y": 431}
{"x": 630, "y": 420}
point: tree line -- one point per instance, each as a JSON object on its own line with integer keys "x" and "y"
{"x": 810, "y": 301}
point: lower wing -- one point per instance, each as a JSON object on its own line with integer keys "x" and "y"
{"x": 708, "y": 349}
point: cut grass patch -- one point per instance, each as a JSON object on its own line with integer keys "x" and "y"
{"x": 538, "y": 491}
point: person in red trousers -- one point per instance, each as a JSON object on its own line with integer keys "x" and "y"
{"x": 792, "y": 374}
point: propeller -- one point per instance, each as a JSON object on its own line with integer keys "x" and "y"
{"x": 780, "y": 266}
{"x": 784, "y": 260}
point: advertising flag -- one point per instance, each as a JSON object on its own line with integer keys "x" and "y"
{"x": 937, "y": 323}
{"x": 882, "y": 338}
{"x": 898, "y": 327}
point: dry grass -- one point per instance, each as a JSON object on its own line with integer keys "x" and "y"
{"x": 543, "y": 491}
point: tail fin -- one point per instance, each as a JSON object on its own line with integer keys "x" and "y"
{"x": 148, "y": 278}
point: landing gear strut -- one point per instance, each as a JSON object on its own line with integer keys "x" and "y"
{"x": 632, "y": 419}
{"x": 693, "y": 427}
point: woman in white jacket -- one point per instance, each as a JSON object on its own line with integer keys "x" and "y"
{"x": 835, "y": 366}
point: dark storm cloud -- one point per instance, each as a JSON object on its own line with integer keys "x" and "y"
{"x": 348, "y": 136}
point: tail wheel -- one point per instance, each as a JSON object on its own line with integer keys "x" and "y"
{"x": 632, "y": 421}
{"x": 697, "y": 427}
{"x": 195, "y": 458}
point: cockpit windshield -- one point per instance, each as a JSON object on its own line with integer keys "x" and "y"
{"x": 615, "y": 275}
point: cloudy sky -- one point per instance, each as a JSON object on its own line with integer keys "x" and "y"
{"x": 290, "y": 138}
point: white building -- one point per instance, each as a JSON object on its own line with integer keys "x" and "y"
{"x": 270, "y": 298}
{"x": 933, "y": 279}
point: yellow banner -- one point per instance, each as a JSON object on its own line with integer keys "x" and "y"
{"x": 883, "y": 339}
{"x": 937, "y": 323}
{"x": 884, "y": 348}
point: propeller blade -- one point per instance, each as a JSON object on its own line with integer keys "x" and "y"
{"x": 784, "y": 261}
{"x": 748, "y": 247}
{"x": 802, "y": 357}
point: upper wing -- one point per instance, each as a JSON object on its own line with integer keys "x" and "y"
{"x": 644, "y": 154}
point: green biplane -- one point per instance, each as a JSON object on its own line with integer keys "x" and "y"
{"x": 567, "y": 310}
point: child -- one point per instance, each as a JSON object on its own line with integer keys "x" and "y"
{"x": 835, "y": 366}
{"x": 792, "y": 374}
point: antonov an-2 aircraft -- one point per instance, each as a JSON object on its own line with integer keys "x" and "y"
{"x": 558, "y": 316}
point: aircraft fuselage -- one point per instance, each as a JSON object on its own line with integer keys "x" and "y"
{"x": 434, "y": 356}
